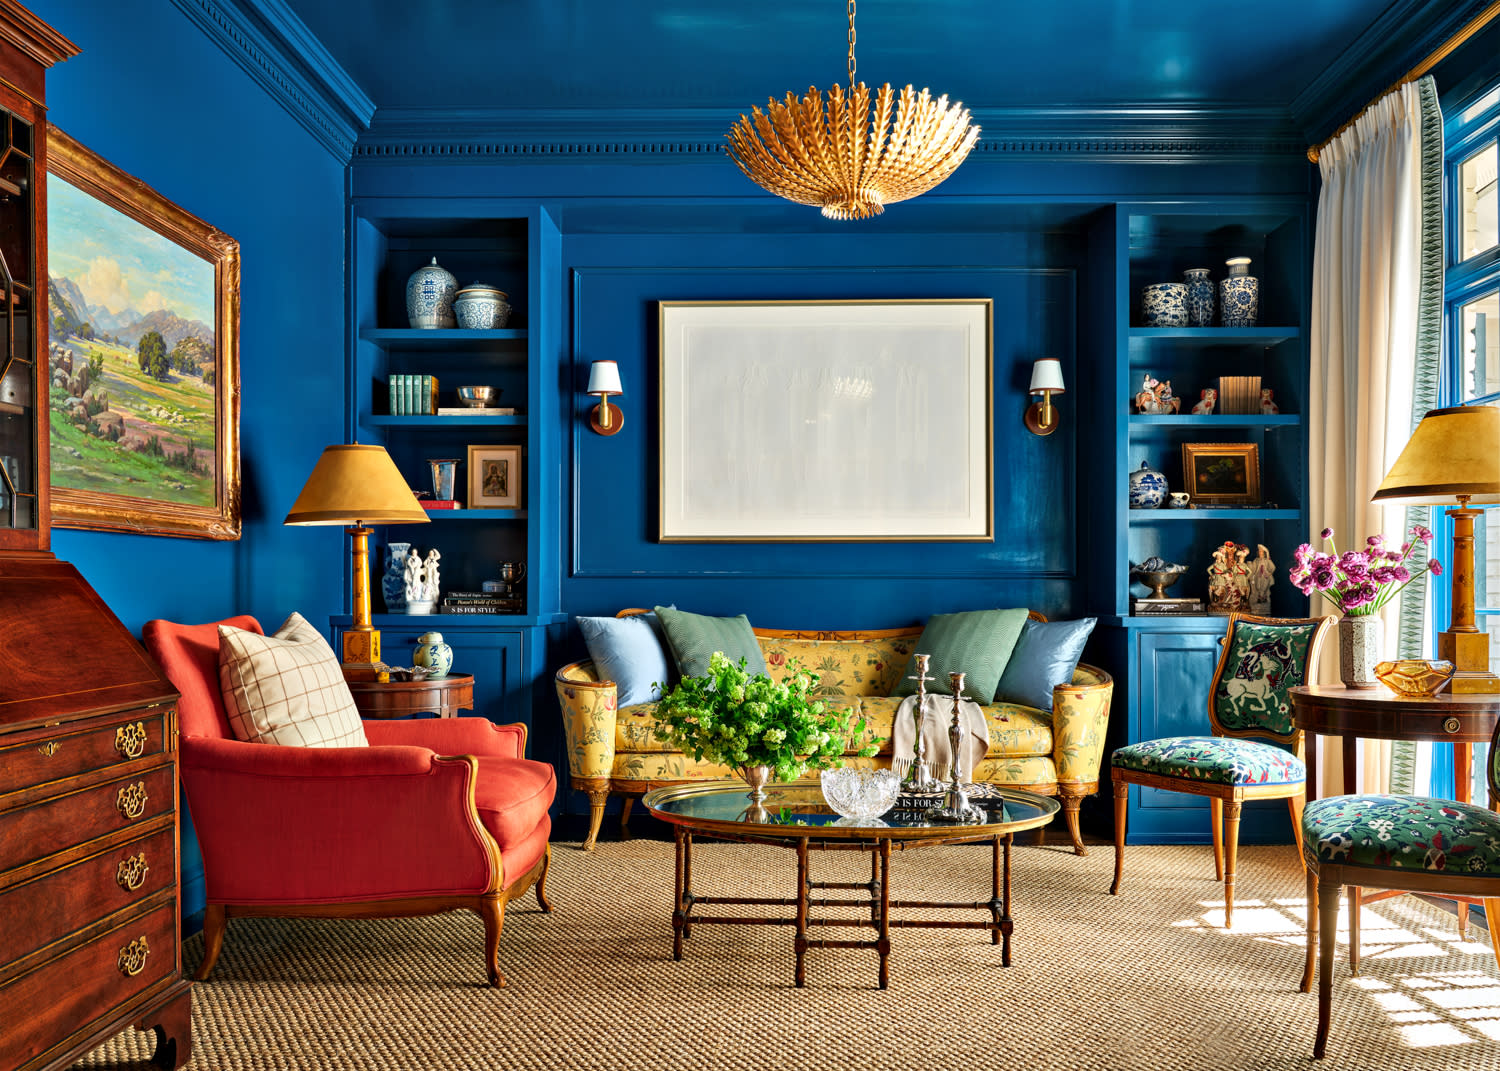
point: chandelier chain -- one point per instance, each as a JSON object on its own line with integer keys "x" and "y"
{"x": 851, "y": 44}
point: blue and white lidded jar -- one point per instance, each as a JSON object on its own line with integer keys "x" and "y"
{"x": 1148, "y": 488}
{"x": 480, "y": 307}
{"x": 1164, "y": 305}
{"x": 433, "y": 654}
{"x": 1200, "y": 297}
{"x": 1239, "y": 294}
{"x": 393, "y": 581}
{"x": 429, "y": 297}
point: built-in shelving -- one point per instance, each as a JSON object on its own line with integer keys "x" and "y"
{"x": 1215, "y": 336}
{"x": 432, "y": 421}
{"x": 440, "y": 338}
{"x": 1217, "y": 420}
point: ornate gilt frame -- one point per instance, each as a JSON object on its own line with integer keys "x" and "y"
{"x": 76, "y": 165}
{"x": 1194, "y": 454}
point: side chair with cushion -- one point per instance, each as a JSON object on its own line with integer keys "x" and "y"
{"x": 1411, "y": 843}
{"x": 432, "y": 815}
{"x": 1255, "y": 752}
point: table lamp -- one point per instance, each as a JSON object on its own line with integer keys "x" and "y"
{"x": 1454, "y": 457}
{"x": 359, "y": 486}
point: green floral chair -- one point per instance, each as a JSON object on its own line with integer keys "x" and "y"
{"x": 1410, "y": 843}
{"x": 1255, "y": 751}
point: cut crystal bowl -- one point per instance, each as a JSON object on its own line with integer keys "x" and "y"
{"x": 1414, "y": 678}
{"x": 856, "y": 792}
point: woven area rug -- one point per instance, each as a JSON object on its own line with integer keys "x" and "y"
{"x": 1148, "y": 979}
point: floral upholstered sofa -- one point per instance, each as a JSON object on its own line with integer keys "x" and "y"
{"x": 1053, "y": 752}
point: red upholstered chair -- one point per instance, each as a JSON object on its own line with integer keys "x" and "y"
{"x": 435, "y": 814}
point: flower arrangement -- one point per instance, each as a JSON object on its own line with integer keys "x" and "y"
{"x": 1359, "y": 582}
{"x": 735, "y": 719}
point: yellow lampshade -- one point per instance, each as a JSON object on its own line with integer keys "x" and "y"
{"x": 1454, "y": 453}
{"x": 354, "y": 484}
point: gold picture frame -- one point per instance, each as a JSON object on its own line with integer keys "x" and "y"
{"x": 494, "y": 477}
{"x": 143, "y": 345}
{"x": 1221, "y": 474}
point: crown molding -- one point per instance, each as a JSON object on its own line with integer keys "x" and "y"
{"x": 1127, "y": 132}
{"x": 36, "y": 38}
{"x": 272, "y": 45}
{"x": 1395, "y": 42}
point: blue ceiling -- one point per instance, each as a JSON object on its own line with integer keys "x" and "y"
{"x": 730, "y": 54}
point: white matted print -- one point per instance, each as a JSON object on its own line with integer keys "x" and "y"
{"x": 826, "y": 420}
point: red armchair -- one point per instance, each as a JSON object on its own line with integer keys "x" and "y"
{"x": 435, "y": 814}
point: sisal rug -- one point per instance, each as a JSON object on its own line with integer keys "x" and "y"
{"x": 1145, "y": 980}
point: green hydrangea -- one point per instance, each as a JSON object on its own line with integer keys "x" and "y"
{"x": 732, "y": 718}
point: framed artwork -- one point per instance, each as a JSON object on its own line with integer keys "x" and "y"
{"x": 143, "y": 354}
{"x": 828, "y": 421}
{"x": 494, "y": 477}
{"x": 1222, "y": 474}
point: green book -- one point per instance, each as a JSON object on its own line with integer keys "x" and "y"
{"x": 409, "y": 400}
{"x": 393, "y": 404}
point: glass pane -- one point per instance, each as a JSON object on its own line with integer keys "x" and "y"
{"x": 1479, "y": 343}
{"x": 1479, "y": 229}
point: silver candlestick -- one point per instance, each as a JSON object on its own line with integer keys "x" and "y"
{"x": 922, "y": 779}
{"x": 956, "y": 806}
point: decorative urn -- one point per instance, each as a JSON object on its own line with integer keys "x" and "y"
{"x": 1148, "y": 488}
{"x": 429, "y": 297}
{"x": 432, "y": 654}
{"x": 1239, "y": 294}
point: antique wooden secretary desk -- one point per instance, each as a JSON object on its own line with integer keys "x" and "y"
{"x": 89, "y": 876}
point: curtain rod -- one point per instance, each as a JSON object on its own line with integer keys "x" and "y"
{"x": 1441, "y": 53}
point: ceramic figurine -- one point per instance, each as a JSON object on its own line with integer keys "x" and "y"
{"x": 421, "y": 582}
{"x": 429, "y": 297}
{"x": 1164, "y": 305}
{"x": 1148, "y": 488}
{"x": 432, "y": 654}
{"x": 1239, "y": 294}
{"x": 1200, "y": 297}
{"x": 1206, "y": 406}
{"x": 1262, "y": 574}
{"x": 1156, "y": 397}
{"x": 1267, "y": 406}
{"x": 1229, "y": 579}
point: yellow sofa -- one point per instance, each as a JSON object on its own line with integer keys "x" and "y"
{"x": 1055, "y": 753}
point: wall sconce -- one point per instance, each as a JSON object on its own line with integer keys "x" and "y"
{"x": 1046, "y": 379}
{"x": 604, "y": 380}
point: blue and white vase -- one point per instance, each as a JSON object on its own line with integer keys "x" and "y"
{"x": 1148, "y": 488}
{"x": 433, "y": 654}
{"x": 429, "y": 297}
{"x": 1200, "y": 297}
{"x": 1164, "y": 305}
{"x": 1239, "y": 294}
{"x": 393, "y": 582}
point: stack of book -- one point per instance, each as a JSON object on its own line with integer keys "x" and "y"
{"x": 476, "y": 410}
{"x": 412, "y": 395}
{"x": 440, "y": 503}
{"x": 1158, "y": 607}
{"x": 1239, "y": 394}
{"x": 480, "y": 602}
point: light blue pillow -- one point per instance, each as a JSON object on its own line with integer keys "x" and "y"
{"x": 631, "y": 651}
{"x": 1045, "y": 656}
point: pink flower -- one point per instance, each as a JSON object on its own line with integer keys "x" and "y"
{"x": 1376, "y": 540}
{"x": 1422, "y": 533}
{"x": 1327, "y": 533}
{"x": 1436, "y": 567}
{"x": 1401, "y": 573}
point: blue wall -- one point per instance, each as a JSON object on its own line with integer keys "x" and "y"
{"x": 154, "y": 96}
{"x": 151, "y": 94}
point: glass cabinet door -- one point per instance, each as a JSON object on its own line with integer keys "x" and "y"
{"x": 18, "y": 373}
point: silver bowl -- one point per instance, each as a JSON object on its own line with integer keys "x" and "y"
{"x": 1158, "y": 575}
{"x": 478, "y": 397}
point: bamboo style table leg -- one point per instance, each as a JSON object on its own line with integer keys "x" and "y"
{"x": 995, "y": 905}
{"x": 1006, "y": 925}
{"x": 687, "y": 885}
{"x": 803, "y": 889}
{"x": 679, "y": 912}
{"x": 883, "y": 942}
{"x": 1351, "y": 787}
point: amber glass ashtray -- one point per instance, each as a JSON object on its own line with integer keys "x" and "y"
{"x": 1414, "y": 678}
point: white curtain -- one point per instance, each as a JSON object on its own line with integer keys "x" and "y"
{"x": 1367, "y": 264}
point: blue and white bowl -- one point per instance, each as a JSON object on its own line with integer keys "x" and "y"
{"x": 1148, "y": 488}
{"x": 481, "y": 308}
{"x": 1200, "y": 297}
{"x": 1164, "y": 305}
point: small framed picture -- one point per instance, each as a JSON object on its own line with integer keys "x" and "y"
{"x": 494, "y": 477}
{"x": 1222, "y": 474}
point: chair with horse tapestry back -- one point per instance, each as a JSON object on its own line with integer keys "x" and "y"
{"x": 1255, "y": 751}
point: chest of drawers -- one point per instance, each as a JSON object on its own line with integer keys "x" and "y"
{"x": 89, "y": 868}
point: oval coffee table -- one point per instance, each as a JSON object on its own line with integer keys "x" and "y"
{"x": 796, "y": 816}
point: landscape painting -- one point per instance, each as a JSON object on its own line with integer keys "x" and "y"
{"x": 143, "y": 378}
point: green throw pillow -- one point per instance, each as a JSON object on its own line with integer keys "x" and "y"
{"x": 693, "y": 638}
{"x": 976, "y": 642}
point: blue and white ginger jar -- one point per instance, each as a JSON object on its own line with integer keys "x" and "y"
{"x": 1239, "y": 294}
{"x": 481, "y": 308}
{"x": 393, "y": 581}
{"x": 1148, "y": 488}
{"x": 1164, "y": 305}
{"x": 1200, "y": 297}
{"x": 433, "y": 654}
{"x": 429, "y": 297}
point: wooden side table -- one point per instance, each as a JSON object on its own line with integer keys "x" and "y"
{"x": 443, "y": 696}
{"x": 1378, "y": 713}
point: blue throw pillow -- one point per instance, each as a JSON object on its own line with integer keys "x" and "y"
{"x": 631, "y": 651}
{"x": 1045, "y": 656}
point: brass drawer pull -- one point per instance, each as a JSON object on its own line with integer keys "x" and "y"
{"x": 132, "y": 958}
{"x": 131, "y": 873}
{"x": 131, "y": 801}
{"x": 1452, "y": 725}
{"x": 130, "y": 740}
{"x": 49, "y": 749}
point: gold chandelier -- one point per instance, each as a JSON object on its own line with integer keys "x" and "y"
{"x": 844, "y": 160}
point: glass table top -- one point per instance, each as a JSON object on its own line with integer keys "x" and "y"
{"x": 799, "y": 809}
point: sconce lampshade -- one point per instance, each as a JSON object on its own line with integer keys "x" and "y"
{"x": 1046, "y": 374}
{"x": 604, "y": 378}
{"x": 1046, "y": 380}
{"x": 1454, "y": 452}
{"x": 354, "y": 484}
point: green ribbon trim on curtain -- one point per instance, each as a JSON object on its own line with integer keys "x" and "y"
{"x": 1411, "y": 618}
